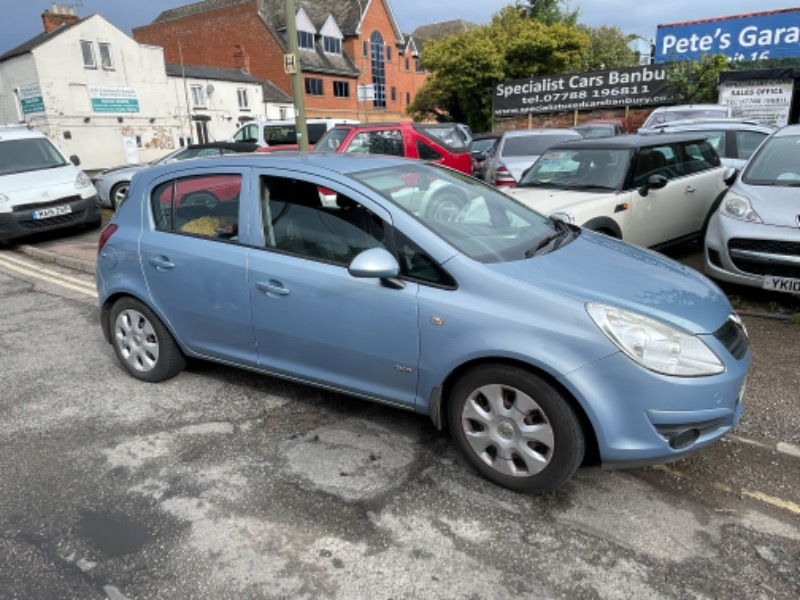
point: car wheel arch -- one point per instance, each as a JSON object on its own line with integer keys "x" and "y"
{"x": 439, "y": 407}
{"x": 605, "y": 225}
{"x": 108, "y": 305}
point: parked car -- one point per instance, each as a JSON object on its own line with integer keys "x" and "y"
{"x": 754, "y": 237}
{"x": 652, "y": 191}
{"x": 429, "y": 142}
{"x": 40, "y": 189}
{"x": 536, "y": 342}
{"x": 482, "y": 147}
{"x": 595, "y": 128}
{"x": 284, "y": 132}
{"x": 735, "y": 140}
{"x": 112, "y": 184}
{"x": 681, "y": 112}
{"x": 518, "y": 150}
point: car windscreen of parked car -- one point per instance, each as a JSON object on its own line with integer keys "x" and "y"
{"x": 28, "y": 154}
{"x": 586, "y": 169}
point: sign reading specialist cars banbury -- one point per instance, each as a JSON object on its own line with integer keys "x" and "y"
{"x": 628, "y": 86}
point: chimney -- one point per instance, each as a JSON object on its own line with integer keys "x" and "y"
{"x": 53, "y": 18}
{"x": 241, "y": 59}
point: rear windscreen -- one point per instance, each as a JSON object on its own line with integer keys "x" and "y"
{"x": 32, "y": 154}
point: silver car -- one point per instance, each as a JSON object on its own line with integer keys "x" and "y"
{"x": 518, "y": 150}
{"x": 112, "y": 184}
{"x": 735, "y": 140}
{"x": 754, "y": 237}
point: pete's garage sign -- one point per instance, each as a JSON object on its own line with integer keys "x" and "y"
{"x": 758, "y": 36}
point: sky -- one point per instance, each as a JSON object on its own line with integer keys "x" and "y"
{"x": 21, "y": 19}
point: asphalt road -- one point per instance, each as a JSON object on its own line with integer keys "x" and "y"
{"x": 225, "y": 484}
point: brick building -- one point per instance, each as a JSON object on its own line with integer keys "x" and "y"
{"x": 342, "y": 44}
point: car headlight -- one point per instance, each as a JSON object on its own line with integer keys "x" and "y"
{"x": 82, "y": 181}
{"x": 564, "y": 216}
{"x": 655, "y": 345}
{"x": 738, "y": 207}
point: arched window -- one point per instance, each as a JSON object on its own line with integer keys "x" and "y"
{"x": 378, "y": 69}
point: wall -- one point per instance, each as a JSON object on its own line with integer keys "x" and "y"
{"x": 636, "y": 116}
{"x": 15, "y": 72}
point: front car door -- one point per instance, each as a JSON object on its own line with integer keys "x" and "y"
{"x": 311, "y": 318}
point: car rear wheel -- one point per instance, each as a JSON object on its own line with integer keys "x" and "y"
{"x": 143, "y": 345}
{"x": 118, "y": 194}
{"x": 515, "y": 429}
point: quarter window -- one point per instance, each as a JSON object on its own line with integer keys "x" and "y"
{"x": 205, "y": 206}
{"x": 425, "y": 152}
{"x": 87, "y": 49}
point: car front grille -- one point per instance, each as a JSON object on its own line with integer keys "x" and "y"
{"x": 765, "y": 257}
{"x": 34, "y": 224}
{"x": 733, "y": 337}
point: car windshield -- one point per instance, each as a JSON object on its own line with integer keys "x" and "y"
{"x": 479, "y": 221}
{"x": 530, "y": 145}
{"x": 29, "y": 154}
{"x": 775, "y": 163}
{"x": 332, "y": 140}
{"x": 479, "y": 146}
{"x": 596, "y": 168}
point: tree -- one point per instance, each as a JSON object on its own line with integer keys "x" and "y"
{"x": 549, "y": 11}
{"x": 464, "y": 68}
{"x": 696, "y": 81}
{"x": 609, "y": 48}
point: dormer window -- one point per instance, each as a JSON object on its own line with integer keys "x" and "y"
{"x": 332, "y": 45}
{"x": 305, "y": 39}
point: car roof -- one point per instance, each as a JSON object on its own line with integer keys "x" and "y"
{"x": 543, "y": 131}
{"x": 788, "y": 130}
{"x": 629, "y": 141}
{"x": 224, "y": 145}
{"x": 719, "y": 123}
{"x": 18, "y": 132}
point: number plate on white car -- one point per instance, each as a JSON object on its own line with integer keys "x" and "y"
{"x": 782, "y": 284}
{"x": 53, "y": 211}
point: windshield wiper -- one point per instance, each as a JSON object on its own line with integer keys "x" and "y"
{"x": 555, "y": 239}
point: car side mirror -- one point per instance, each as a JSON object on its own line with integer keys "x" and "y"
{"x": 75, "y": 160}
{"x": 729, "y": 177}
{"x": 375, "y": 262}
{"x": 654, "y": 182}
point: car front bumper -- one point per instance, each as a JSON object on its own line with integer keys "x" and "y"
{"x": 20, "y": 222}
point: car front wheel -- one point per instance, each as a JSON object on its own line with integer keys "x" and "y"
{"x": 515, "y": 429}
{"x": 143, "y": 345}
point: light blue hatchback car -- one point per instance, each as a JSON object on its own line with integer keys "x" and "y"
{"x": 538, "y": 344}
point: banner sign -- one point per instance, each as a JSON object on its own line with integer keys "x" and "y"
{"x": 765, "y": 101}
{"x": 30, "y": 99}
{"x": 628, "y": 86}
{"x": 758, "y": 36}
{"x": 113, "y": 99}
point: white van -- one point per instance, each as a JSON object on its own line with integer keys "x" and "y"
{"x": 283, "y": 133}
{"x": 40, "y": 189}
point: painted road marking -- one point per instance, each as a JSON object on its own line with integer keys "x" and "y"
{"x": 54, "y": 277}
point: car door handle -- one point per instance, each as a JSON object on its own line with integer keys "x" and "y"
{"x": 690, "y": 189}
{"x": 272, "y": 288}
{"x": 162, "y": 263}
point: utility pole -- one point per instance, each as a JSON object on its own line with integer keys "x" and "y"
{"x": 291, "y": 63}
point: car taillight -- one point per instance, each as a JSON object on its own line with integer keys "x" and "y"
{"x": 104, "y": 235}
{"x": 503, "y": 177}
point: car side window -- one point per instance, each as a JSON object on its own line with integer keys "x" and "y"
{"x": 656, "y": 160}
{"x": 385, "y": 141}
{"x": 425, "y": 152}
{"x": 206, "y": 206}
{"x": 302, "y": 218}
{"x": 248, "y": 133}
{"x": 716, "y": 138}
{"x": 698, "y": 156}
{"x": 747, "y": 142}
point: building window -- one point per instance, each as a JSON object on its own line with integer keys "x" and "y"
{"x": 244, "y": 99}
{"x": 314, "y": 86}
{"x": 365, "y": 49}
{"x": 106, "y": 60}
{"x": 388, "y": 54}
{"x": 378, "y": 69}
{"x": 282, "y": 112}
{"x": 87, "y": 48}
{"x": 198, "y": 96}
{"x": 332, "y": 45}
{"x": 418, "y": 65}
{"x": 408, "y": 65}
{"x": 305, "y": 39}
{"x": 139, "y": 142}
{"x": 408, "y": 97}
{"x": 341, "y": 89}
{"x": 394, "y": 94}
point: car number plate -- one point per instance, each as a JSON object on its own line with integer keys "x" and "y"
{"x": 53, "y": 211}
{"x": 782, "y": 284}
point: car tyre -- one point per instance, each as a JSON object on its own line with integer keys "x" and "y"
{"x": 118, "y": 194}
{"x": 142, "y": 343}
{"x": 515, "y": 429}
